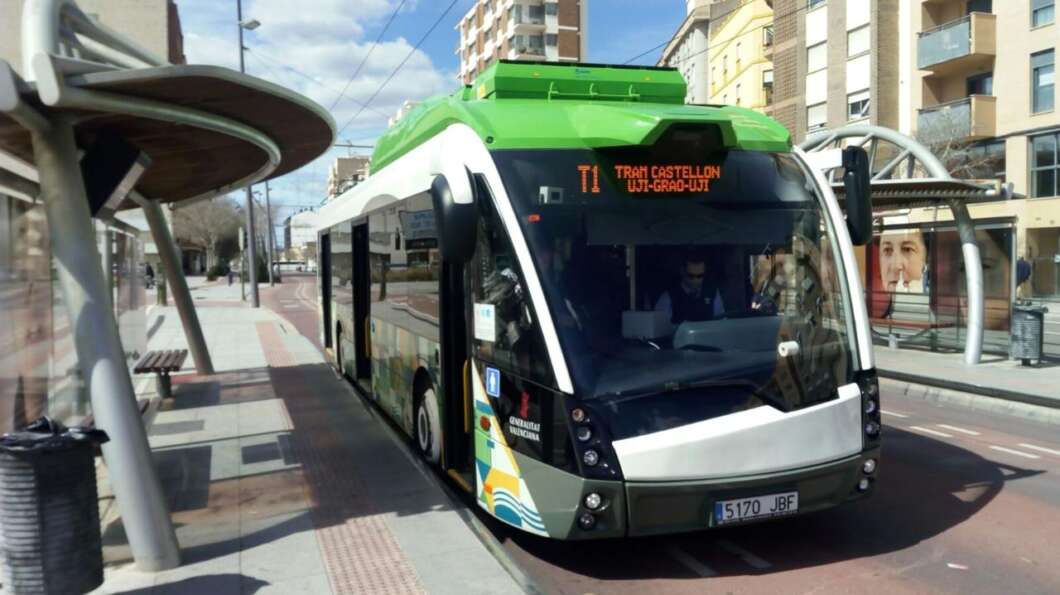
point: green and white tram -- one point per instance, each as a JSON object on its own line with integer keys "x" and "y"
{"x": 604, "y": 312}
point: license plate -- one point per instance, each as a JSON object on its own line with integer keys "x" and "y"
{"x": 746, "y": 509}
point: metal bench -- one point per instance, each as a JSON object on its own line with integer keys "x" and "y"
{"x": 162, "y": 363}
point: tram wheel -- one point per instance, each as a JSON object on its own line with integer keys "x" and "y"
{"x": 428, "y": 428}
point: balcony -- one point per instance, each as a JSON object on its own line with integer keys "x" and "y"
{"x": 966, "y": 119}
{"x": 527, "y": 50}
{"x": 966, "y": 43}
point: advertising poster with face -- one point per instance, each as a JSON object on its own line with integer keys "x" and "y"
{"x": 913, "y": 268}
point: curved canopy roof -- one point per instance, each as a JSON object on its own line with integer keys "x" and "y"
{"x": 187, "y": 160}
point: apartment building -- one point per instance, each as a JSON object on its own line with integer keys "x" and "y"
{"x": 534, "y": 30}
{"x": 837, "y": 63}
{"x": 985, "y": 80}
{"x": 154, "y": 24}
{"x": 741, "y": 71}
{"x": 688, "y": 52}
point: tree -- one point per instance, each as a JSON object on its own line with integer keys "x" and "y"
{"x": 946, "y": 136}
{"x": 208, "y": 224}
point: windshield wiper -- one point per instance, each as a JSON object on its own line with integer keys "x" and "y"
{"x": 672, "y": 387}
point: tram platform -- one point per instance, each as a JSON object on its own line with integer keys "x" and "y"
{"x": 997, "y": 384}
{"x": 279, "y": 478}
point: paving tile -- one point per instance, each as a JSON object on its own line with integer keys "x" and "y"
{"x": 311, "y": 585}
{"x": 281, "y": 548}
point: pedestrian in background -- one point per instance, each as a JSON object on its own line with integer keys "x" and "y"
{"x": 1023, "y": 275}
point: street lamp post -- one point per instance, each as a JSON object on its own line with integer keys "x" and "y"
{"x": 251, "y": 249}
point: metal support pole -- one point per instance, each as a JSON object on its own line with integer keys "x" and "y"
{"x": 99, "y": 351}
{"x": 108, "y": 264}
{"x": 178, "y": 285}
{"x": 272, "y": 232}
{"x": 252, "y": 266}
{"x": 973, "y": 272}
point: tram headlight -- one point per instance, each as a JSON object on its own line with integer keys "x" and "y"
{"x": 586, "y": 521}
{"x": 584, "y": 433}
{"x": 578, "y": 415}
{"x": 863, "y": 484}
{"x": 872, "y": 428}
{"x": 593, "y": 501}
{"x": 870, "y": 406}
{"x": 591, "y": 458}
{"x": 869, "y": 466}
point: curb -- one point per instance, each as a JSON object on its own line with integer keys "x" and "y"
{"x": 971, "y": 399}
{"x": 975, "y": 389}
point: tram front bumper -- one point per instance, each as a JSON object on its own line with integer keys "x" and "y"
{"x": 674, "y": 507}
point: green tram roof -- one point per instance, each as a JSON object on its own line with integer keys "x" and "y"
{"x": 533, "y": 105}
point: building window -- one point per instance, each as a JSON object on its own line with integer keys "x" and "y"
{"x": 858, "y": 105}
{"x": 817, "y": 57}
{"x": 858, "y": 41}
{"x": 811, "y": 4}
{"x": 536, "y": 13}
{"x": 1045, "y": 165}
{"x": 1042, "y": 12}
{"x": 737, "y": 55}
{"x": 767, "y": 36}
{"x": 980, "y": 84}
{"x": 816, "y": 117}
{"x": 551, "y": 39}
{"x": 739, "y": 99}
{"x": 551, "y": 9}
{"x": 767, "y": 86}
{"x": 1042, "y": 80}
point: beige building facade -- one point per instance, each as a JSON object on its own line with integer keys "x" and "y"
{"x": 837, "y": 63}
{"x": 154, "y": 24}
{"x": 741, "y": 71}
{"x": 985, "y": 74}
{"x": 688, "y": 51}
{"x": 533, "y": 30}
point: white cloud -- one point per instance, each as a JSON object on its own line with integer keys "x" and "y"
{"x": 324, "y": 41}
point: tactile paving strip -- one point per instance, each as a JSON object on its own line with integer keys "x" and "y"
{"x": 360, "y": 553}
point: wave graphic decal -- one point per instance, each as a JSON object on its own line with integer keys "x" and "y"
{"x": 528, "y": 516}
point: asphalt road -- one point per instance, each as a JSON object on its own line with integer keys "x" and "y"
{"x": 966, "y": 502}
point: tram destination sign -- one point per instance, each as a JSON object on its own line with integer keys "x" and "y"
{"x": 647, "y": 179}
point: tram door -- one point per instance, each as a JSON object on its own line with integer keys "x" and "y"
{"x": 361, "y": 297}
{"x": 457, "y": 430}
{"x": 324, "y": 279}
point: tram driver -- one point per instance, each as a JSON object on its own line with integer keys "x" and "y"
{"x": 696, "y": 297}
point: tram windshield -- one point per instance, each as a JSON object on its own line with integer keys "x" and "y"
{"x": 685, "y": 284}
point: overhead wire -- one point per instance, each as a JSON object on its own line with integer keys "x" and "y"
{"x": 394, "y": 72}
{"x": 367, "y": 55}
{"x": 263, "y": 56}
{"x": 776, "y": 17}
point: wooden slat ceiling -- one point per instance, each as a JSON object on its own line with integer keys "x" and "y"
{"x": 188, "y": 161}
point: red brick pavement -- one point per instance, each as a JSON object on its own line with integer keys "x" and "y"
{"x": 360, "y": 553}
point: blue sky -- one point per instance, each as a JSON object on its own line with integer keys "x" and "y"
{"x": 313, "y": 46}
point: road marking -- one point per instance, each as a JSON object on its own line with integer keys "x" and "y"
{"x": 892, "y": 413}
{"x": 1041, "y": 448}
{"x": 930, "y": 431}
{"x": 956, "y": 429}
{"x": 745, "y": 555}
{"x": 1015, "y": 452}
{"x": 691, "y": 563}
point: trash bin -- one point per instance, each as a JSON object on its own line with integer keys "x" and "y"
{"x": 1028, "y": 333}
{"x": 49, "y": 513}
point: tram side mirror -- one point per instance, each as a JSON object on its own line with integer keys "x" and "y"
{"x": 455, "y": 217}
{"x": 857, "y": 183}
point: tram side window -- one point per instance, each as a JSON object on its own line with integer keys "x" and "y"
{"x": 505, "y": 326}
